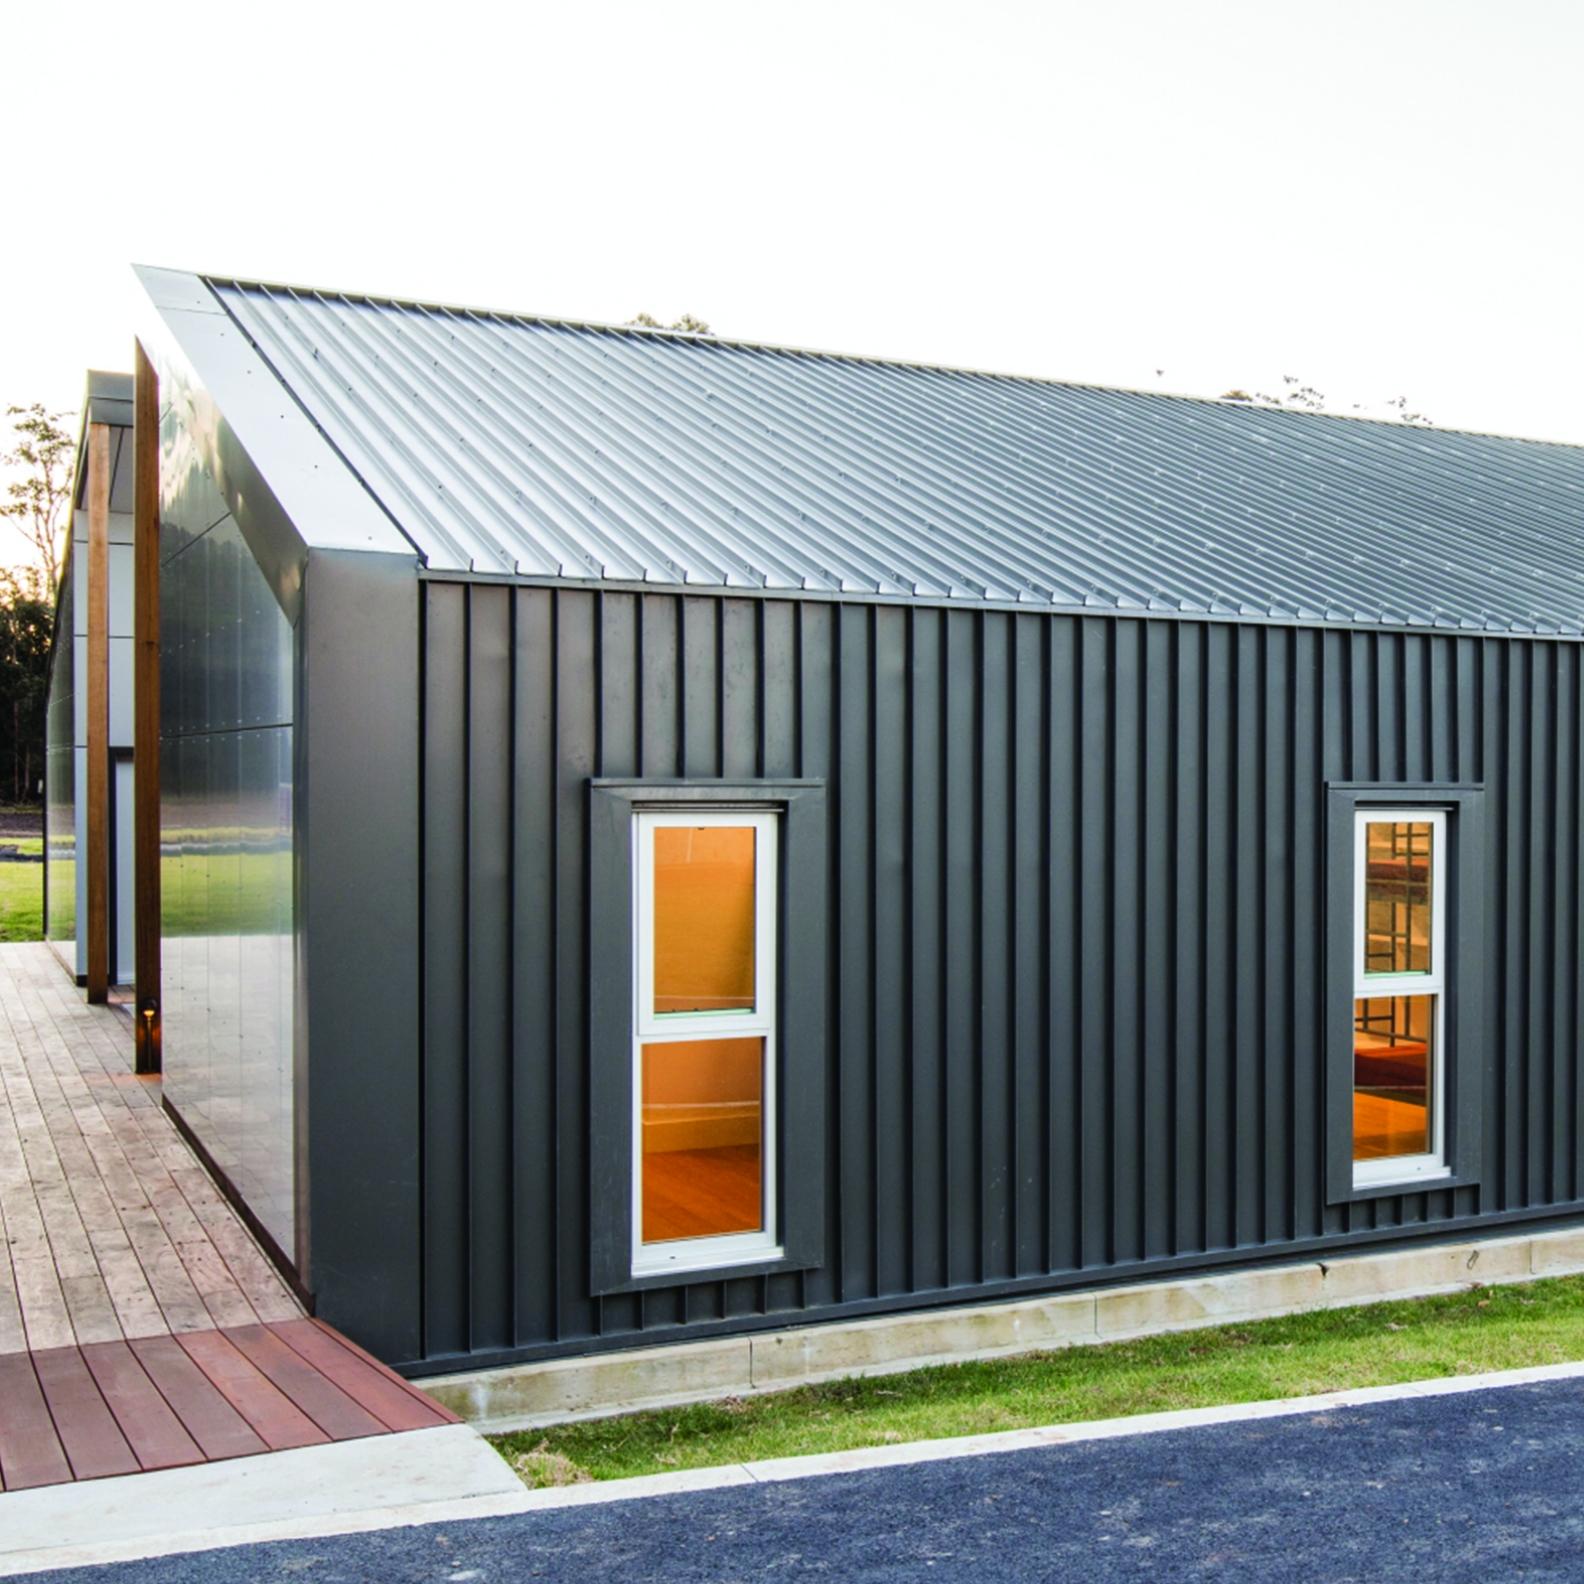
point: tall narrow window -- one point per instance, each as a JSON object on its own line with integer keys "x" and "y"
{"x": 704, "y": 1040}
{"x": 1399, "y": 993}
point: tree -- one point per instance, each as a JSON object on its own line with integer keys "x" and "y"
{"x": 25, "y": 619}
{"x": 694, "y": 326}
{"x": 37, "y": 502}
{"x": 1306, "y": 398}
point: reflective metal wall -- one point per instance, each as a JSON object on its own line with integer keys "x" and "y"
{"x": 66, "y": 765}
{"x": 63, "y": 876}
{"x": 227, "y": 688}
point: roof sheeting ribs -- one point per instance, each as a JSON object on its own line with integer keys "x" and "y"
{"x": 518, "y": 446}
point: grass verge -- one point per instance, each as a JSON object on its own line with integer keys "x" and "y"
{"x": 1466, "y": 1333}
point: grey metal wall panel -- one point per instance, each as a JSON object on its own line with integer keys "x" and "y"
{"x": 121, "y": 673}
{"x": 447, "y": 1301}
{"x": 358, "y": 888}
{"x": 1076, "y": 878}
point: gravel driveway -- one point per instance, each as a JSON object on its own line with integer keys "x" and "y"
{"x": 1487, "y": 1485}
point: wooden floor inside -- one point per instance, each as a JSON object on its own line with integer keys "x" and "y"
{"x": 1384, "y": 1125}
{"x": 141, "y": 1326}
{"x": 701, "y": 1192}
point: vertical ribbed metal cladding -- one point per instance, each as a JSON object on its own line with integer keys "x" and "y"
{"x": 1077, "y": 877}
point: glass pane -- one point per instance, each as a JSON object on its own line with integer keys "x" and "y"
{"x": 704, "y": 918}
{"x": 702, "y": 1139}
{"x": 1397, "y": 877}
{"x": 1392, "y": 1067}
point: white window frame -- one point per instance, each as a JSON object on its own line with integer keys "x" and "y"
{"x": 652, "y": 1028}
{"x": 1371, "y": 986}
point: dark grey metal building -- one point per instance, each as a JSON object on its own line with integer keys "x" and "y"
{"x": 663, "y": 837}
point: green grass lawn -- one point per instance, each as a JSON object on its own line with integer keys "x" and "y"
{"x": 22, "y": 894}
{"x": 222, "y": 893}
{"x": 1487, "y": 1328}
{"x": 225, "y": 893}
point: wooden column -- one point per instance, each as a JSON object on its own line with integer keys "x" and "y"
{"x": 98, "y": 854}
{"x": 146, "y": 710}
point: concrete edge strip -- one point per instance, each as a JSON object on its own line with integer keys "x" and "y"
{"x": 770, "y": 1471}
{"x": 631, "y": 1379}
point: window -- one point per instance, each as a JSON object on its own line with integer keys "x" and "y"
{"x": 703, "y": 1039}
{"x": 1405, "y": 968}
{"x": 708, "y": 1054}
{"x": 1399, "y": 995}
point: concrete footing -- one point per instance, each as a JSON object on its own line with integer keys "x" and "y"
{"x": 527, "y": 1395}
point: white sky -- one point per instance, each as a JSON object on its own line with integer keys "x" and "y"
{"x": 1382, "y": 196}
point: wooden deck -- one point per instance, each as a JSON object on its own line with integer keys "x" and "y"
{"x": 80, "y": 1413}
{"x": 141, "y": 1327}
{"x": 109, "y": 1228}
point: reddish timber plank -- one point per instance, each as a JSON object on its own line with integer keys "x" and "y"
{"x": 30, "y": 1451}
{"x": 337, "y": 1414}
{"x": 369, "y": 1385}
{"x": 406, "y": 1385}
{"x": 152, "y": 1430}
{"x": 205, "y": 1414}
{"x": 277, "y": 1419}
{"x": 87, "y": 1429}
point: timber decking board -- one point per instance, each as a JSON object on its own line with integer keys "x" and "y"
{"x": 30, "y": 1451}
{"x": 141, "y": 1326}
{"x": 149, "y": 1423}
{"x": 396, "y": 1405}
{"x": 279, "y": 1422}
{"x": 206, "y": 1414}
{"x": 112, "y": 1228}
{"x": 110, "y": 1408}
{"x": 399, "y": 1380}
{"x": 315, "y": 1394}
{"x": 95, "y": 1446}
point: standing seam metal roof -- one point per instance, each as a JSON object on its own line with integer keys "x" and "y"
{"x": 511, "y": 445}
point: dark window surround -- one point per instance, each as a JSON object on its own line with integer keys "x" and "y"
{"x": 1464, "y": 1032}
{"x": 800, "y": 1043}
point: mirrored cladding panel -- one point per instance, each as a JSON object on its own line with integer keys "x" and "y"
{"x": 66, "y": 713}
{"x": 62, "y": 773}
{"x": 226, "y": 832}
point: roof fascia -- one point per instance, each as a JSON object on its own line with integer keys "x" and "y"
{"x": 276, "y": 473}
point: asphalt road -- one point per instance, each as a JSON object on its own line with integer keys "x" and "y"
{"x": 1486, "y": 1485}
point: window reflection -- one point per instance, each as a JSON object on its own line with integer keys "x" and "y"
{"x": 1397, "y": 879}
{"x": 702, "y": 1138}
{"x": 1392, "y": 1062}
{"x": 703, "y": 918}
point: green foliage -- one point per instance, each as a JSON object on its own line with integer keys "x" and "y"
{"x": 1298, "y": 395}
{"x": 35, "y": 503}
{"x": 688, "y": 322}
{"x": 1485, "y": 1328}
{"x": 24, "y": 682}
